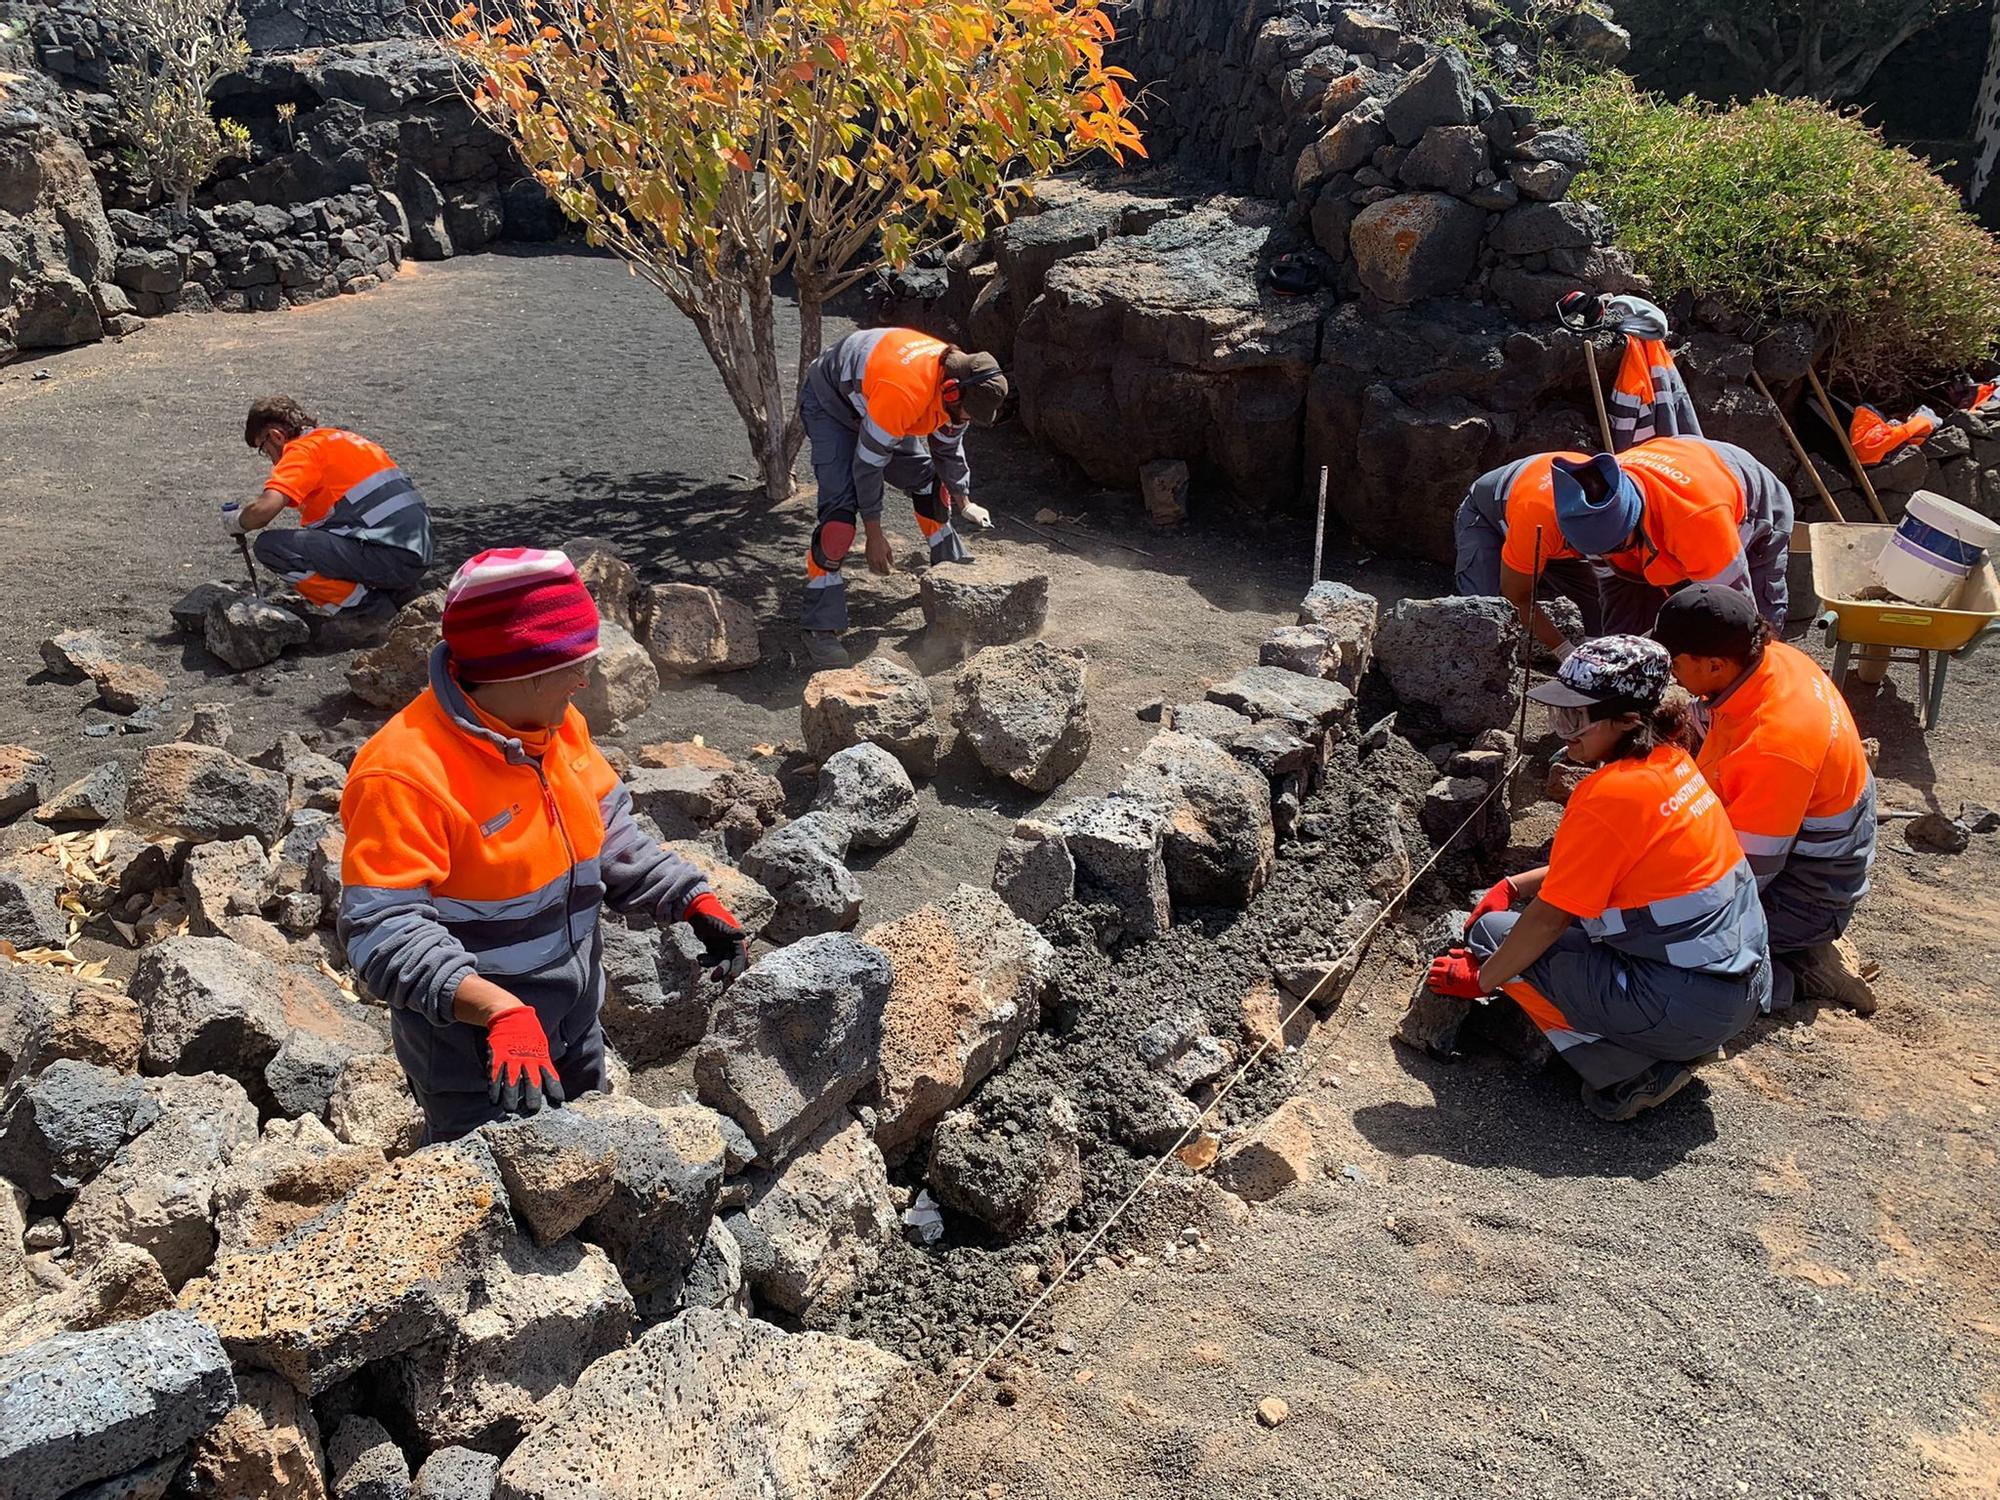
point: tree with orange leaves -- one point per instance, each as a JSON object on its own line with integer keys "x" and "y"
{"x": 718, "y": 144}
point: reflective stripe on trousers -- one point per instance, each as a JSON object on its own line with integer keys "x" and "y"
{"x": 1612, "y": 1015}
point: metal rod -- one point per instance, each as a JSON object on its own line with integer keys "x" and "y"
{"x": 1798, "y": 448}
{"x": 1528, "y": 647}
{"x": 1597, "y": 392}
{"x": 243, "y": 546}
{"x": 1319, "y": 532}
{"x": 1847, "y": 446}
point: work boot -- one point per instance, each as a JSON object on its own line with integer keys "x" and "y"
{"x": 1834, "y": 974}
{"x": 978, "y": 517}
{"x": 1655, "y": 1086}
{"x": 824, "y": 647}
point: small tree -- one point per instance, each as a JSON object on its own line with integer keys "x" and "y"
{"x": 179, "y": 49}
{"x": 1815, "y": 49}
{"x": 719, "y": 144}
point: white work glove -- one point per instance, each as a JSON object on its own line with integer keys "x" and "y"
{"x": 232, "y": 519}
{"x": 978, "y": 517}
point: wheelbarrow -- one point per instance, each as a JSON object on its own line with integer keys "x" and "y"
{"x": 1888, "y": 630}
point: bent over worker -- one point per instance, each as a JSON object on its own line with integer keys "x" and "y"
{"x": 363, "y": 525}
{"x": 1783, "y": 754}
{"x": 1618, "y": 533}
{"x": 484, "y": 831}
{"x": 888, "y": 406}
{"x": 1642, "y": 946}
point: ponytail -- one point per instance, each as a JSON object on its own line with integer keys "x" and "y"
{"x": 1669, "y": 722}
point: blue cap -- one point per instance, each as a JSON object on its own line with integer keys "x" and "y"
{"x": 1595, "y": 528}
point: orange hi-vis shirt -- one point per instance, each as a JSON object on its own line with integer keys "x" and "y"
{"x": 1691, "y": 527}
{"x": 1785, "y": 757}
{"x": 1646, "y": 860}
{"x": 471, "y": 849}
{"x": 887, "y": 384}
{"x": 340, "y": 482}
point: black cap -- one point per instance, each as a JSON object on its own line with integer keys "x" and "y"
{"x": 1707, "y": 619}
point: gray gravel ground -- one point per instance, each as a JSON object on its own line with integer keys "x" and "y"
{"x": 1788, "y": 1284}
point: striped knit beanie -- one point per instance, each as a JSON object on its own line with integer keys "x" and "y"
{"x": 516, "y": 612}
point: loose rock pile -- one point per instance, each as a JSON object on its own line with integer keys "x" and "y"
{"x": 215, "y": 1182}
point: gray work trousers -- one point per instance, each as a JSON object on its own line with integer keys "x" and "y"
{"x": 833, "y": 447}
{"x": 295, "y": 552}
{"x": 1478, "y": 540}
{"x": 1625, "y": 1012}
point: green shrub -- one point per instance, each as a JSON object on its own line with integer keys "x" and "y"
{"x": 1784, "y": 208}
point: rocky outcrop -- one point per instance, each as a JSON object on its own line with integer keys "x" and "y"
{"x": 1162, "y": 345}
{"x": 57, "y": 254}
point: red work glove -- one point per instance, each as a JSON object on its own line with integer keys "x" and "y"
{"x": 522, "y": 1075}
{"x": 1455, "y": 975}
{"x": 724, "y": 946}
{"x": 1500, "y": 898}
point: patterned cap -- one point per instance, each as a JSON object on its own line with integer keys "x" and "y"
{"x": 1626, "y": 670}
{"x": 517, "y": 612}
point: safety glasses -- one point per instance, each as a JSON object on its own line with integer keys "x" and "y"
{"x": 1568, "y": 723}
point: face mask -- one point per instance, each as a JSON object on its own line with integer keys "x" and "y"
{"x": 1568, "y": 723}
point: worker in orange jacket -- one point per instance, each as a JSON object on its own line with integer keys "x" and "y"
{"x": 888, "y": 406}
{"x": 1646, "y": 521}
{"x": 1641, "y": 946}
{"x": 484, "y": 831}
{"x": 364, "y": 530}
{"x": 1782, "y": 752}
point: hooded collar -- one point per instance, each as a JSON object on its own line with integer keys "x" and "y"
{"x": 458, "y": 709}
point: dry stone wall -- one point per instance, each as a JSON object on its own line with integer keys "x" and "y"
{"x": 363, "y": 152}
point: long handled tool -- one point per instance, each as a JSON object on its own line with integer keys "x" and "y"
{"x": 1584, "y": 312}
{"x": 1798, "y": 448}
{"x": 1847, "y": 446}
{"x": 249, "y": 564}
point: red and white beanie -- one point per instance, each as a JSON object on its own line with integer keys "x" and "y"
{"x": 516, "y": 612}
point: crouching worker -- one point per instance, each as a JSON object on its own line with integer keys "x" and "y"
{"x": 364, "y": 530}
{"x": 484, "y": 830}
{"x": 1642, "y": 945}
{"x": 1784, "y": 756}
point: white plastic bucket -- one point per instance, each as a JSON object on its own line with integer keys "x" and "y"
{"x": 1934, "y": 549}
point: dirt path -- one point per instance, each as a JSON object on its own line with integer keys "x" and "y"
{"x": 534, "y": 398}
{"x": 1785, "y": 1286}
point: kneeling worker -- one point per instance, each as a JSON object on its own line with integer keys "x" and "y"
{"x": 1660, "y": 515}
{"x": 888, "y": 406}
{"x": 363, "y": 526}
{"x": 484, "y": 830}
{"x": 1783, "y": 754}
{"x": 1642, "y": 945}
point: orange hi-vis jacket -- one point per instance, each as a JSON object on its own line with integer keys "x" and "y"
{"x": 1783, "y": 754}
{"x": 470, "y": 850}
{"x": 342, "y": 483}
{"x": 1649, "y": 399}
{"x": 885, "y": 383}
{"x": 1646, "y": 860}
{"x": 1702, "y": 498}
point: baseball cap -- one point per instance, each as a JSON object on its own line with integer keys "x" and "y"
{"x": 1707, "y": 619}
{"x": 1594, "y": 526}
{"x": 1627, "y": 671}
{"x": 982, "y": 389}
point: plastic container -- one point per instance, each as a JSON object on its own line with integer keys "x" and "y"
{"x": 1936, "y": 546}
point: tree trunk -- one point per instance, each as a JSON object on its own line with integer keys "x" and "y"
{"x": 811, "y": 332}
{"x": 774, "y": 456}
{"x": 1986, "y": 119}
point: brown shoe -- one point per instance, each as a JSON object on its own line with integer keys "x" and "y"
{"x": 1834, "y": 974}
